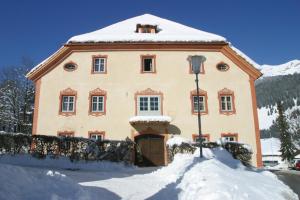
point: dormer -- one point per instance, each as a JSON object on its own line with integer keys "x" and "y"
{"x": 146, "y": 28}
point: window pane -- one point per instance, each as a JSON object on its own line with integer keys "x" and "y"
{"x": 202, "y": 103}
{"x": 143, "y": 103}
{"x": 71, "y": 99}
{"x": 147, "y": 64}
{"x": 154, "y": 103}
{"x": 94, "y": 107}
{"x": 71, "y": 106}
{"x": 102, "y": 65}
{"x": 64, "y": 106}
{"x": 223, "y": 107}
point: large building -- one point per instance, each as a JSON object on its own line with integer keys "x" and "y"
{"x": 134, "y": 79}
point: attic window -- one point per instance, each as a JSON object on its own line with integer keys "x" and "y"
{"x": 71, "y": 66}
{"x": 146, "y": 28}
{"x": 222, "y": 67}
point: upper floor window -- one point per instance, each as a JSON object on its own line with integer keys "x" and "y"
{"x": 148, "y": 102}
{"x": 226, "y": 102}
{"x": 99, "y": 64}
{"x": 149, "y": 105}
{"x": 68, "y": 102}
{"x": 202, "y": 102}
{"x": 222, "y": 67}
{"x": 97, "y": 102}
{"x": 148, "y": 64}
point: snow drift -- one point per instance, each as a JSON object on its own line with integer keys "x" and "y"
{"x": 216, "y": 176}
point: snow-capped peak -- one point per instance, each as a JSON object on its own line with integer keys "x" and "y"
{"x": 291, "y": 67}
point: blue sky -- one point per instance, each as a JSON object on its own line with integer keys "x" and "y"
{"x": 268, "y": 30}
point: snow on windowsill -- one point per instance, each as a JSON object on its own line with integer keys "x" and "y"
{"x": 148, "y": 119}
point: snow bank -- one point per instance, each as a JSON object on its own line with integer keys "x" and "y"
{"x": 62, "y": 163}
{"x": 18, "y": 183}
{"x": 176, "y": 140}
{"x": 216, "y": 176}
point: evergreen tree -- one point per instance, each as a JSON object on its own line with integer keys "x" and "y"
{"x": 287, "y": 148}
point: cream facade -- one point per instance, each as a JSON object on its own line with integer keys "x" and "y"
{"x": 123, "y": 81}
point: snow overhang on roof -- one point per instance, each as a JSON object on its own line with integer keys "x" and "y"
{"x": 150, "y": 119}
{"x": 125, "y": 31}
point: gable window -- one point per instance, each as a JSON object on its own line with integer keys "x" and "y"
{"x": 148, "y": 64}
{"x": 96, "y": 135}
{"x": 222, "y": 67}
{"x": 70, "y": 66}
{"x": 229, "y": 137}
{"x": 99, "y": 64}
{"x": 202, "y": 104}
{"x": 226, "y": 101}
{"x": 97, "y": 103}
{"x": 67, "y": 102}
{"x": 205, "y": 137}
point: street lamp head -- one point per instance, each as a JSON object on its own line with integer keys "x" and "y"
{"x": 197, "y": 62}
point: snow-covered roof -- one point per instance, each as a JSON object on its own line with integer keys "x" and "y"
{"x": 169, "y": 31}
{"x": 148, "y": 119}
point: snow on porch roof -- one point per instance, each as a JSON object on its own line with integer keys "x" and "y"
{"x": 150, "y": 119}
{"x": 168, "y": 31}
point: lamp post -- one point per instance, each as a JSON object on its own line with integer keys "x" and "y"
{"x": 197, "y": 62}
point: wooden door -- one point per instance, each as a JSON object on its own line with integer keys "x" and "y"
{"x": 152, "y": 150}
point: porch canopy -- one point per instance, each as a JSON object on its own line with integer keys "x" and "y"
{"x": 159, "y": 119}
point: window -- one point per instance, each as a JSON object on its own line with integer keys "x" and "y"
{"x": 201, "y": 101}
{"x": 99, "y": 64}
{"x": 65, "y": 134}
{"x": 68, "y": 103}
{"x": 149, "y": 105}
{"x": 71, "y": 66}
{"x": 96, "y": 135}
{"x": 226, "y": 101}
{"x": 229, "y": 137}
{"x": 148, "y": 64}
{"x": 97, "y": 103}
{"x": 205, "y": 137}
{"x": 147, "y": 28}
{"x": 222, "y": 66}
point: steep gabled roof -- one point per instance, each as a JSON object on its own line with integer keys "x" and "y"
{"x": 168, "y": 31}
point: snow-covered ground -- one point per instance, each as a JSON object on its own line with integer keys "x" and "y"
{"x": 216, "y": 176}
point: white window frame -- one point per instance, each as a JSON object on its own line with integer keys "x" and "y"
{"x": 97, "y": 102}
{"x": 203, "y": 102}
{"x": 102, "y": 63}
{"x": 68, "y": 102}
{"x": 230, "y": 138}
{"x": 150, "y": 99}
{"x": 227, "y": 103}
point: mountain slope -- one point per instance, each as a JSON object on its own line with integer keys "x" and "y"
{"x": 291, "y": 67}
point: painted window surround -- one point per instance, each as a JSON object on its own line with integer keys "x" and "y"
{"x": 201, "y": 93}
{"x": 148, "y": 92}
{"x": 149, "y": 56}
{"x": 94, "y": 57}
{"x": 97, "y": 92}
{"x": 226, "y": 92}
{"x": 67, "y": 92}
{"x": 228, "y": 67}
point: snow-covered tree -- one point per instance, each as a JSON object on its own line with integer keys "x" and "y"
{"x": 287, "y": 147}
